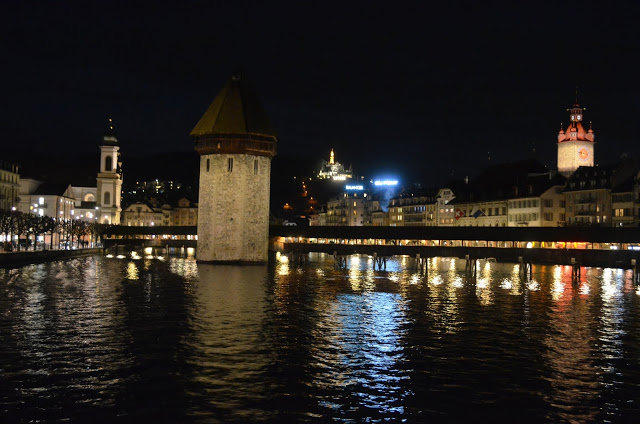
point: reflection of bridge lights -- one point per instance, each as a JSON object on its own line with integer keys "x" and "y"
{"x": 457, "y": 282}
{"x": 436, "y": 280}
{"x": 132, "y": 271}
{"x": 482, "y": 283}
{"x": 506, "y": 284}
{"x": 533, "y": 285}
{"x": 584, "y": 289}
{"x": 415, "y": 279}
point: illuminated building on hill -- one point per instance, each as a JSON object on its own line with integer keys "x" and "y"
{"x": 334, "y": 170}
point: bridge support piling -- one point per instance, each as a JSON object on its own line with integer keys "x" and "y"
{"x": 525, "y": 269}
{"x": 298, "y": 258}
{"x": 576, "y": 272}
{"x": 420, "y": 262}
{"x": 471, "y": 266}
{"x": 635, "y": 271}
{"x": 339, "y": 261}
{"x": 380, "y": 261}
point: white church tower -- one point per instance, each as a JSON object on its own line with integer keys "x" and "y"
{"x": 109, "y": 190}
{"x": 575, "y": 145}
{"x": 236, "y": 144}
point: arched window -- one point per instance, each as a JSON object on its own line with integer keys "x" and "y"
{"x": 108, "y": 163}
{"x": 107, "y": 199}
{"x": 89, "y": 198}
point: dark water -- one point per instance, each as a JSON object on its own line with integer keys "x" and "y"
{"x": 115, "y": 340}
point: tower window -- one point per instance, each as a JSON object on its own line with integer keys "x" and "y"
{"x": 255, "y": 167}
{"x": 107, "y": 198}
{"x": 108, "y": 163}
{"x": 230, "y": 164}
{"x": 208, "y": 161}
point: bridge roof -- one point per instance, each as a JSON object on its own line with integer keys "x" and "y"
{"x": 566, "y": 234}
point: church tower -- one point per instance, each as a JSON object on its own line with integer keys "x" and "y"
{"x": 109, "y": 190}
{"x": 236, "y": 144}
{"x": 575, "y": 145}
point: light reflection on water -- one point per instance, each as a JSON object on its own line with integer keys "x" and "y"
{"x": 171, "y": 340}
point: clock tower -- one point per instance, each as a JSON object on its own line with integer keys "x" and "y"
{"x": 575, "y": 144}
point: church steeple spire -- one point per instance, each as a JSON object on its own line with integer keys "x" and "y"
{"x": 109, "y": 137}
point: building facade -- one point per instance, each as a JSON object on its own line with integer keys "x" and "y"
{"x": 9, "y": 180}
{"x": 347, "y": 209}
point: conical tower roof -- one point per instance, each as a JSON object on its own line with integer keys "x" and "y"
{"x": 236, "y": 110}
{"x": 235, "y": 123}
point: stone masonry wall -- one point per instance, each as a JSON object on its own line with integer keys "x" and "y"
{"x": 233, "y": 208}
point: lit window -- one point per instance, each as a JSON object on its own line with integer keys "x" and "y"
{"x": 41, "y": 201}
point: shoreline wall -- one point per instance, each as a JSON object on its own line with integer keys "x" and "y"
{"x": 17, "y": 259}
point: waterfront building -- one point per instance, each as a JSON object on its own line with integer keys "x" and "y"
{"x": 624, "y": 202}
{"x": 236, "y": 143}
{"x": 374, "y": 214}
{"x": 588, "y": 193}
{"x": 347, "y": 209}
{"x": 411, "y": 210}
{"x": 575, "y": 144}
{"x": 445, "y": 213}
{"x": 185, "y": 213}
{"x": 538, "y": 202}
{"x": 334, "y": 170}
{"x": 144, "y": 214}
{"x": 109, "y": 189}
{"x": 46, "y": 199}
{"x": 9, "y": 179}
{"x": 485, "y": 213}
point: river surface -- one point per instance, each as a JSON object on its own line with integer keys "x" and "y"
{"x": 115, "y": 340}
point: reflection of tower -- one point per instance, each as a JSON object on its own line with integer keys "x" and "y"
{"x": 575, "y": 145}
{"x": 236, "y": 144}
{"x": 109, "y": 188}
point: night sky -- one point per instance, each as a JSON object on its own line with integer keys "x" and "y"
{"x": 424, "y": 89}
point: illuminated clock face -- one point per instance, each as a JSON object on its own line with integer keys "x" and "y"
{"x": 579, "y": 117}
{"x": 583, "y": 154}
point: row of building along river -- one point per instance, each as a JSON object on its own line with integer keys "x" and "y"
{"x": 99, "y": 339}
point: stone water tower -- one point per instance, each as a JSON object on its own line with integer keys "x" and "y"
{"x": 236, "y": 144}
